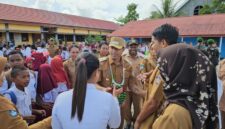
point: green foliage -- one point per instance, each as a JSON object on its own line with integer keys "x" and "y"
{"x": 89, "y": 39}
{"x": 132, "y": 14}
{"x": 217, "y": 6}
{"x": 93, "y": 39}
{"x": 98, "y": 38}
{"x": 168, "y": 10}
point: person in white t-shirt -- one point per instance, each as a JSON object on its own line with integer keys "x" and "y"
{"x": 85, "y": 106}
{"x": 20, "y": 94}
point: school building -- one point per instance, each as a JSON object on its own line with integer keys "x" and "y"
{"x": 206, "y": 26}
{"x": 26, "y": 26}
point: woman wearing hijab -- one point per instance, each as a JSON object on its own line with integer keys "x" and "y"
{"x": 29, "y": 63}
{"x": 46, "y": 84}
{"x": 59, "y": 74}
{"x": 190, "y": 89}
{"x": 46, "y": 88}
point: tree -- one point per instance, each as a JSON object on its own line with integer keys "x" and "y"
{"x": 217, "y": 6}
{"x": 89, "y": 39}
{"x": 132, "y": 14}
{"x": 98, "y": 38}
{"x": 92, "y": 39}
{"x": 168, "y": 10}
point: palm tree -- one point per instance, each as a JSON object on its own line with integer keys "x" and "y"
{"x": 168, "y": 10}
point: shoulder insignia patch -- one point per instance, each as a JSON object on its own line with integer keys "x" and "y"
{"x": 13, "y": 113}
{"x": 158, "y": 80}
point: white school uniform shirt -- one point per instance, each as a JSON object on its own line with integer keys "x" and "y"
{"x": 31, "y": 87}
{"x": 23, "y": 51}
{"x": 61, "y": 87}
{"x": 49, "y": 60}
{"x": 65, "y": 55}
{"x": 50, "y": 96}
{"x": 28, "y": 52}
{"x": 1, "y": 53}
{"x": 4, "y": 86}
{"x": 101, "y": 109}
{"x": 23, "y": 100}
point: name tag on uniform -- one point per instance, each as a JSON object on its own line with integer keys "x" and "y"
{"x": 157, "y": 80}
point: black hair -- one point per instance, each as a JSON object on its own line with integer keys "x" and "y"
{"x": 86, "y": 64}
{"x": 64, "y": 48}
{"x": 19, "y": 46}
{"x": 16, "y": 70}
{"x": 33, "y": 47}
{"x": 166, "y": 32}
{"x": 14, "y": 52}
{"x": 74, "y": 46}
{"x": 103, "y": 43}
{"x": 42, "y": 45}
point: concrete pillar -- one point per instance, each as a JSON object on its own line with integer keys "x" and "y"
{"x": 56, "y": 37}
{"x": 74, "y": 36}
{"x": 42, "y": 34}
{"x": 7, "y": 37}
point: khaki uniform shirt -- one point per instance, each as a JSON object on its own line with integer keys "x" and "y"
{"x": 11, "y": 119}
{"x": 70, "y": 69}
{"x": 173, "y": 117}
{"x": 118, "y": 70}
{"x": 135, "y": 85}
{"x": 148, "y": 64}
{"x": 154, "y": 91}
{"x": 221, "y": 76}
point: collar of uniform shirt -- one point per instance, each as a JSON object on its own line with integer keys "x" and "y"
{"x": 20, "y": 91}
{"x": 112, "y": 62}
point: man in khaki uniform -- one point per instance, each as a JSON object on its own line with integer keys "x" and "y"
{"x": 11, "y": 119}
{"x": 115, "y": 71}
{"x": 52, "y": 47}
{"x": 135, "y": 90}
{"x": 153, "y": 101}
{"x": 162, "y": 37}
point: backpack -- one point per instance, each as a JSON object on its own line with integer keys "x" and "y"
{"x": 12, "y": 96}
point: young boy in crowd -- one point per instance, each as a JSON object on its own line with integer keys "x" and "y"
{"x": 20, "y": 95}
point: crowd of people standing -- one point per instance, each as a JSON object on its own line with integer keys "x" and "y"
{"x": 113, "y": 85}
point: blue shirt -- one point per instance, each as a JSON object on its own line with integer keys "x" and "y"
{"x": 101, "y": 109}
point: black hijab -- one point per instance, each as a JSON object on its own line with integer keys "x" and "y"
{"x": 190, "y": 81}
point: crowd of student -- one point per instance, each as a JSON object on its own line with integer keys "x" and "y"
{"x": 113, "y": 85}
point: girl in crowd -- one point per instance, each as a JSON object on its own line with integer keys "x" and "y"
{"x": 59, "y": 74}
{"x": 104, "y": 50}
{"x": 46, "y": 88}
{"x": 69, "y": 65}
